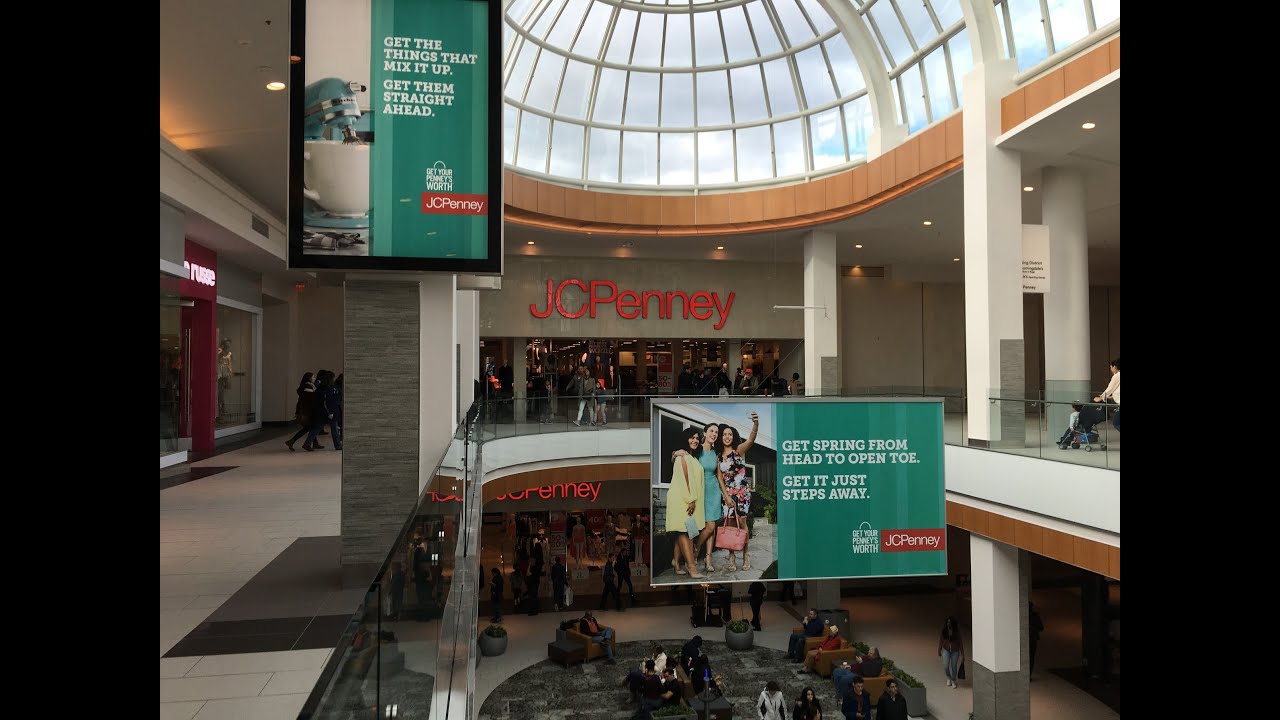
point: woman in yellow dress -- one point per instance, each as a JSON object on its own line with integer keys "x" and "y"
{"x": 685, "y": 512}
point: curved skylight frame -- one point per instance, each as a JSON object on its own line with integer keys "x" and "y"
{"x": 1036, "y": 30}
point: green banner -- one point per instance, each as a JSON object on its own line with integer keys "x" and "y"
{"x": 860, "y": 489}
{"x": 429, "y": 180}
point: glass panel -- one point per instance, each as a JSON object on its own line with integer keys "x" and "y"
{"x": 508, "y": 42}
{"x": 1104, "y": 11}
{"x": 812, "y": 68}
{"x": 782, "y": 93}
{"x": 548, "y": 16}
{"x": 858, "y": 126}
{"x": 898, "y": 48}
{"x": 604, "y": 155}
{"x": 748, "y": 94}
{"x": 715, "y": 157}
{"x": 677, "y": 159}
{"x": 935, "y": 68}
{"x": 678, "y": 51}
{"x": 677, "y": 99}
{"x": 566, "y": 150}
{"x": 609, "y": 94}
{"x": 520, "y": 72}
{"x": 713, "y": 98}
{"x": 948, "y": 12}
{"x": 233, "y": 368}
{"x": 753, "y": 162}
{"x": 789, "y": 147}
{"x": 766, "y": 37}
{"x": 546, "y": 81}
{"x": 623, "y": 33}
{"x": 737, "y": 34}
{"x": 575, "y": 91}
{"x": 567, "y": 26}
{"x": 532, "y": 154}
{"x": 173, "y": 364}
{"x": 1028, "y": 32}
{"x": 518, "y": 10}
{"x": 793, "y": 22}
{"x": 640, "y": 158}
{"x": 648, "y": 50}
{"x": 642, "y": 99}
{"x": 1068, "y": 21}
{"x": 510, "y": 116}
{"x": 819, "y": 17}
{"x": 591, "y": 38}
{"x": 848, "y": 74}
{"x": 827, "y": 138}
{"x": 918, "y": 21}
{"x": 708, "y": 46}
{"x": 961, "y": 61}
{"x": 912, "y": 91}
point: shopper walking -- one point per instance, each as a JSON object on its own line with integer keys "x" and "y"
{"x": 302, "y": 409}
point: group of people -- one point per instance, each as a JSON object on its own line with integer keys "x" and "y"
{"x": 319, "y": 404}
{"x": 594, "y": 393}
{"x": 709, "y": 482}
{"x": 717, "y": 382}
{"x": 427, "y": 582}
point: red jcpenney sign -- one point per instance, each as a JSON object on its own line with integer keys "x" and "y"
{"x": 589, "y": 491}
{"x": 632, "y": 304}
{"x": 912, "y": 540}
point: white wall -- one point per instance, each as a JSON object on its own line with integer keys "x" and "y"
{"x": 319, "y": 332}
{"x": 278, "y": 382}
{"x": 881, "y": 325}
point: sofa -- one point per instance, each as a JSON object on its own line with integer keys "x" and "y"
{"x": 829, "y": 659}
{"x": 810, "y": 643}
{"x": 873, "y": 685}
{"x": 592, "y": 649}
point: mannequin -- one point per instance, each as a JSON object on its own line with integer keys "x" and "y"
{"x": 224, "y": 374}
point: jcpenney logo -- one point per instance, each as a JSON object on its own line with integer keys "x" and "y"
{"x": 631, "y": 304}
{"x": 200, "y": 274}
{"x": 913, "y": 540}
{"x": 454, "y": 204}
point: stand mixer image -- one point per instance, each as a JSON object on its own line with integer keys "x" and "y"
{"x": 335, "y": 159}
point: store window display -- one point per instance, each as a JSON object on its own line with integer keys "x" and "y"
{"x": 233, "y": 368}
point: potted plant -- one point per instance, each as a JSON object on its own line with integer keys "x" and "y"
{"x": 676, "y": 711}
{"x": 565, "y": 625}
{"x": 493, "y": 641}
{"x": 912, "y": 690}
{"x": 738, "y": 635}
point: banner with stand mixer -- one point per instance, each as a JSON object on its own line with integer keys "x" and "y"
{"x": 396, "y": 136}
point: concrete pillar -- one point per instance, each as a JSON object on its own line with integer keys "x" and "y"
{"x": 992, "y": 263}
{"x": 438, "y": 368}
{"x": 1066, "y": 305}
{"x": 821, "y": 319}
{"x": 997, "y": 651}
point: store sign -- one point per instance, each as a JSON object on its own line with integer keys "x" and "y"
{"x": 589, "y": 491}
{"x": 631, "y": 304}
{"x": 200, "y": 274}
{"x": 201, "y": 267}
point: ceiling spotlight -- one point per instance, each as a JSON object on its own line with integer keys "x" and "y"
{"x": 295, "y": 59}
{"x": 955, "y": 259}
{"x": 1027, "y": 189}
{"x": 626, "y": 244}
{"x": 244, "y": 43}
{"x": 859, "y": 246}
{"x": 1089, "y": 126}
{"x": 928, "y": 222}
{"x": 275, "y": 85}
{"x": 719, "y": 247}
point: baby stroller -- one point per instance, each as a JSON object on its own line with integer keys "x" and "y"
{"x": 1082, "y": 433}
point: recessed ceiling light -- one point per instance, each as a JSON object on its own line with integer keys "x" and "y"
{"x": 928, "y": 222}
{"x": 294, "y": 59}
{"x": 1089, "y": 126}
{"x": 275, "y": 85}
{"x": 1027, "y": 189}
{"x": 264, "y": 68}
{"x": 719, "y": 247}
{"x": 244, "y": 43}
{"x": 859, "y": 246}
{"x": 626, "y": 244}
{"x": 529, "y": 243}
{"x": 955, "y": 259}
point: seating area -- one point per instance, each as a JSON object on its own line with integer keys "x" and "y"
{"x": 590, "y": 648}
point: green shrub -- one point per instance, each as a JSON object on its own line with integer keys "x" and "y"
{"x": 738, "y": 626}
{"x": 495, "y": 631}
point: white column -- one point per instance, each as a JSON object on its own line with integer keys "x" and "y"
{"x": 992, "y": 262}
{"x": 821, "y": 319}
{"x": 1000, "y": 686}
{"x": 468, "y": 328}
{"x": 1066, "y": 305}
{"x": 438, "y": 362}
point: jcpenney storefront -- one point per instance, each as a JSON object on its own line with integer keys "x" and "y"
{"x": 634, "y": 323}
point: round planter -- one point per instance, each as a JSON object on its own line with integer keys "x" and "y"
{"x": 490, "y": 646}
{"x": 739, "y": 641}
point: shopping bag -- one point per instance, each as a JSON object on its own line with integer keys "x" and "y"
{"x": 732, "y": 537}
{"x": 960, "y": 674}
{"x": 568, "y": 596}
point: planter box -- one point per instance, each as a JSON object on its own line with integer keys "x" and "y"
{"x": 915, "y": 697}
{"x": 491, "y": 646}
{"x": 739, "y": 641}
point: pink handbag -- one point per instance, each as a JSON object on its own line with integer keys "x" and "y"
{"x": 732, "y": 537}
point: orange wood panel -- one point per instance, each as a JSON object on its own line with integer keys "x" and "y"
{"x": 780, "y": 203}
{"x": 1091, "y": 555}
{"x": 858, "y": 180}
{"x": 1001, "y": 527}
{"x": 1029, "y": 536}
{"x": 1013, "y": 109}
{"x": 677, "y": 210}
{"x": 979, "y": 521}
{"x": 507, "y": 180}
{"x": 611, "y": 208}
{"x": 875, "y": 169}
{"x": 955, "y": 136}
{"x": 1094, "y": 65}
{"x": 644, "y": 209}
{"x": 745, "y": 207}
{"x": 906, "y": 160}
{"x": 1061, "y": 546}
{"x": 933, "y": 147}
{"x": 525, "y": 193}
{"x": 712, "y": 210}
{"x": 579, "y": 204}
{"x": 1113, "y": 562}
{"x": 840, "y": 190}
{"x": 1046, "y": 91}
{"x": 1114, "y": 54}
{"x": 811, "y": 197}
{"x": 551, "y": 199}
